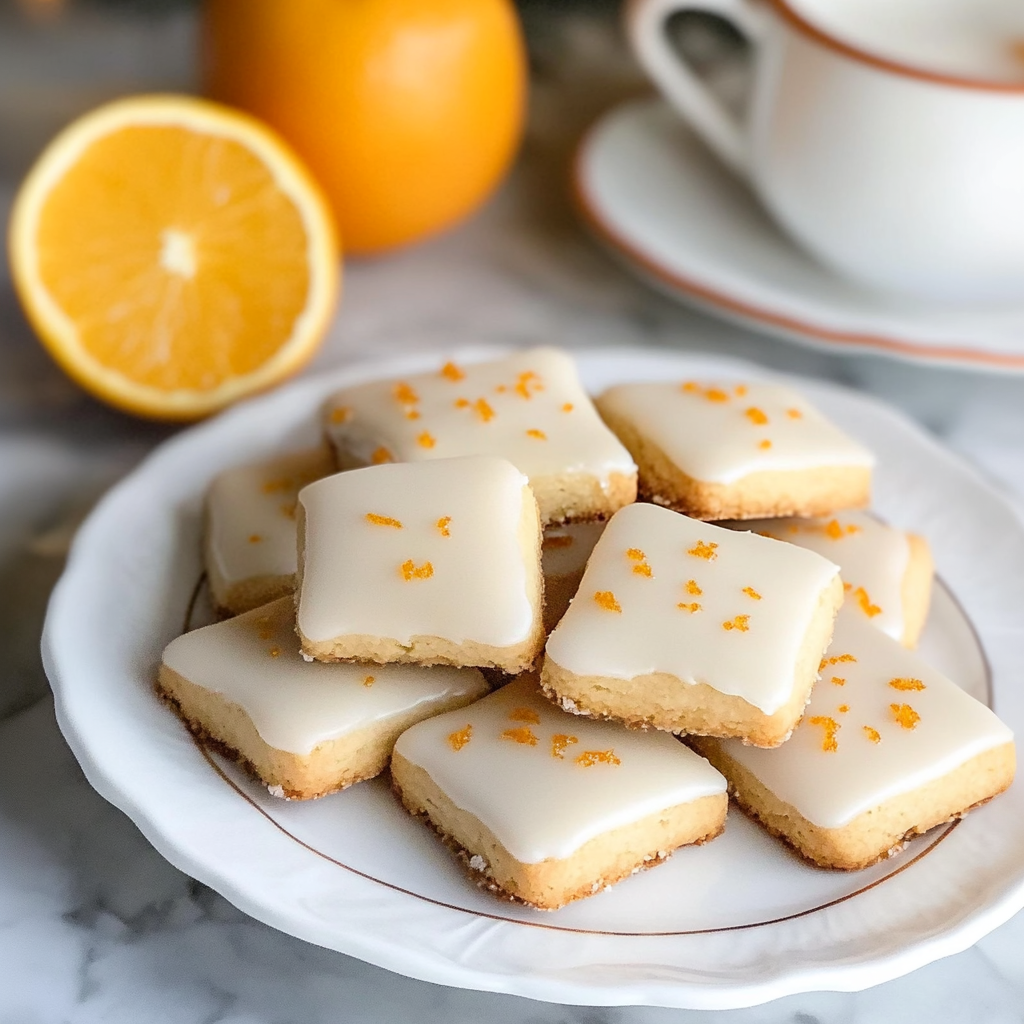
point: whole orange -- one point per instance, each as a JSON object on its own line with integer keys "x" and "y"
{"x": 407, "y": 111}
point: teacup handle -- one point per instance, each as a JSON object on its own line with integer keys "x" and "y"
{"x": 645, "y": 25}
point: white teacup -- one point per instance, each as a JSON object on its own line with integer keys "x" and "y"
{"x": 886, "y": 136}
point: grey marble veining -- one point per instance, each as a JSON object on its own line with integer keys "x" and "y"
{"x": 94, "y": 925}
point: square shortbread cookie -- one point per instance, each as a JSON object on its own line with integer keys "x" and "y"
{"x": 695, "y": 629}
{"x": 887, "y": 573}
{"x": 305, "y": 730}
{"x": 548, "y": 808}
{"x": 563, "y": 558}
{"x": 249, "y": 542}
{"x": 888, "y": 748}
{"x": 736, "y": 451}
{"x": 529, "y": 408}
{"x": 427, "y": 562}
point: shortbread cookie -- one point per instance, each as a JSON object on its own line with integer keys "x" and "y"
{"x": 547, "y": 808}
{"x": 887, "y": 573}
{"x": 737, "y": 451}
{"x": 529, "y": 408}
{"x": 249, "y": 542}
{"x": 436, "y": 563}
{"x": 305, "y": 730}
{"x": 563, "y": 559}
{"x": 689, "y": 627}
{"x": 888, "y": 749}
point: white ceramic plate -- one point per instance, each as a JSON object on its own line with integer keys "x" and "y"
{"x": 650, "y": 189}
{"x": 733, "y": 923}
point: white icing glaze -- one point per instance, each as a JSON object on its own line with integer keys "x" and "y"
{"x": 353, "y": 581}
{"x": 714, "y": 432}
{"x": 832, "y": 787}
{"x": 651, "y": 633}
{"x": 535, "y": 413}
{"x": 251, "y": 515}
{"x": 567, "y": 548}
{"x": 872, "y": 559}
{"x": 540, "y": 805}
{"x": 296, "y": 705}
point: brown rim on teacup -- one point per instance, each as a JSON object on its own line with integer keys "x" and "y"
{"x": 796, "y": 20}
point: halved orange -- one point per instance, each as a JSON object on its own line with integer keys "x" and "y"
{"x": 174, "y": 255}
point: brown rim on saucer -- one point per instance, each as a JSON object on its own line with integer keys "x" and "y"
{"x": 779, "y": 324}
{"x": 797, "y": 21}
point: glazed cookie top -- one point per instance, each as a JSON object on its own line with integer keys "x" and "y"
{"x": 250, "y": 514}
{"x": 253, "y": 660}
{"x": 545, "y": 782}
{"x": 881, "y": 722}
{"x": 719, "y": 433}
{"x": 872, "y": 558}
{"x": 529, "y": 408}
{"x": 420, "y": 549}
{"x": 665, "y": 593}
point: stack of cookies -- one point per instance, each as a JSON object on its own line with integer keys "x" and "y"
{"x": 480, "y": 526}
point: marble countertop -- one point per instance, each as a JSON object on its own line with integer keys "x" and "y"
{"x": 94, "y": 924}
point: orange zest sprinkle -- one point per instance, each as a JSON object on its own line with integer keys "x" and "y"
{"x": 411, "y": 571}
{"x": 643, "y": 569}
{"x": 828, "y": 742}
{"x": 522, "y": 735}
{"x": 254, "y": 538}
{"x": 461, "y": 403}
{"x": 526, "y": 381}
{"x": 691, "y": 387}
{"x": 341, "y": 414}
{"x": 765, "y": 445}
{"x": 606, "y": 599}
{"x": 716, "y": 395}
{"x": 751, "y": 592}
{"x": 834, "y": 530}
{"x": 794, "y": 414}
{"x": 275, "y": 652}
{"x": 907, "y": 684}
{"x": 591, "y": 757}
{"x": 740, "y": 390}
{"x": 500, "y": 389}
{"x": 442, "y": 525}
{"x": 381, "y": 455}
{"x": 483, "y": 409}
{"x": 905, "y": 716}
{"x": 539, "y": 435}
{"x": 869, "y": 609}
{"x": 843, "y": 708}
{"x": 451, "y": 372}
{"x": 426, "y": 440}
{"x": 372, "y": 517}
{"x": 691, "y": 608}
{"x": 524, "y": 715}
{"x": 405, "y": 394}
{"x": 635, "y": 555}
{"x": 838, "y": 681}
{"x": 740, "y": 622}
{"x": 692, "y": 588}
{"x": 411, "y": 414}
{"x": 847, "y": 587}
{"x": 756, "y": 416}
{"x": 705, "y": 551}
{"x": 559, "y": 742}
{"x": 568, "y": 407}
{"x": 836, "y": 659}
{"x": 457, "y": 740}
{"x": 872, "y": 734}
{"x": 369, "y": 681}
{"x": 558, "y": 540}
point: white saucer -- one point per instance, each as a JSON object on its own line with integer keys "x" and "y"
{"x": 650, "y": 189}
{"x": 732, "y": 923}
